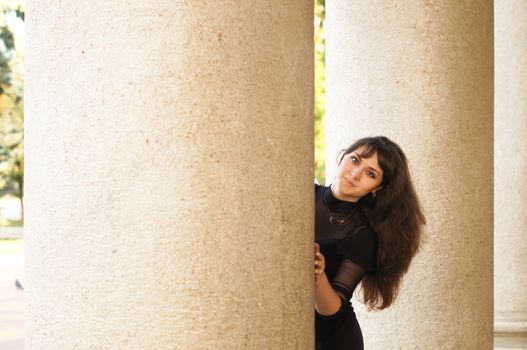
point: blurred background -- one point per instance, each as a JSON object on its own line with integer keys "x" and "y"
{"x": 11, "y": 113}
{"x": 11, "y": 174}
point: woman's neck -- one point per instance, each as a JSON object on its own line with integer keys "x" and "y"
{"x": 340, "y": 197}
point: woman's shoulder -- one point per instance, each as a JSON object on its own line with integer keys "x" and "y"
{"x": 365, "y": 227}
{"x": 361, "y": 234}
{"x": 366, "y": 233}
{"x": 360, "y": 245}
{"x": 362, "y": 231}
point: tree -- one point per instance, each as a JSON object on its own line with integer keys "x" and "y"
{"x": 320, "y": 90}
{"x": 11, "y": 104}
{"x": 7, "y": 43}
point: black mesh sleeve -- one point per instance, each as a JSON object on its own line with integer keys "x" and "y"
{"x": 347, "y": 278}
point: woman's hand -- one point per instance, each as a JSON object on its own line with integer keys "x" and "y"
{"x": 320, "y": 264}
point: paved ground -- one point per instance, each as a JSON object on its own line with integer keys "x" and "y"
{"x": 11, "y": 232}
{"x": 11, "y": 302}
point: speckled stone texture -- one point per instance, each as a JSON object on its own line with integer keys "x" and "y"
{"x": 169, "y": 175}
{"x": 421, "y": 73}
{"x": 510, "y": 190}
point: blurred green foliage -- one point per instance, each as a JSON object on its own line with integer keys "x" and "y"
{"x": 320, "y": 91}
{"x": 11, "y": 101}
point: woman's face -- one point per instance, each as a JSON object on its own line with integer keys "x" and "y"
{"x": 356, "y": 176}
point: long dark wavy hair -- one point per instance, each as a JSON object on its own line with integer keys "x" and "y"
{"x": 396, "y": 215}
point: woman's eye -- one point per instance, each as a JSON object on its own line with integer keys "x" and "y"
{"x": 371, "y": 174}
{"x": 354, "y": 160}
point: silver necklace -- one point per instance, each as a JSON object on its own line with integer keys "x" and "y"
{"x": 333, "y": 219}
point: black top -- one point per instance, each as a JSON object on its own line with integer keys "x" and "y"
{"x": 348, "y": 243}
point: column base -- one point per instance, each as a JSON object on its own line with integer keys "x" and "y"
{"x": 510, "y": 332}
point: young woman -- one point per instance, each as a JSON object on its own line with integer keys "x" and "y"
{"x": 368, "y": 227}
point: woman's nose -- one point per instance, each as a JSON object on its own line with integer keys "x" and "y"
{"x": 355, "y": 172}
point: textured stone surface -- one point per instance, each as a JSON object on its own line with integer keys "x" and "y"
{"x": 422, "y": 74}
{"x": 169, "y": 174}
{"x": 510, "y": 190}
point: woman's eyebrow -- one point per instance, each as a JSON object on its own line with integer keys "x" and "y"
{"x": 377, "y": 171}
{"x": 372, "y": 168}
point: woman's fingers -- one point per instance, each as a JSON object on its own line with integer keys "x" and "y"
{"x": 319, "y": 264}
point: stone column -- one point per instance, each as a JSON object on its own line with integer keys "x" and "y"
{"x": 169, "y": 163}
{"x": 510, "y": 190}
{"x": 422, "y": 74}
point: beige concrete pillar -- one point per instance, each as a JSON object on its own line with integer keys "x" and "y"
{"x": 169, "y": 173}
{"x": 510, "y": 190}
{"x": 422, "y": 74}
